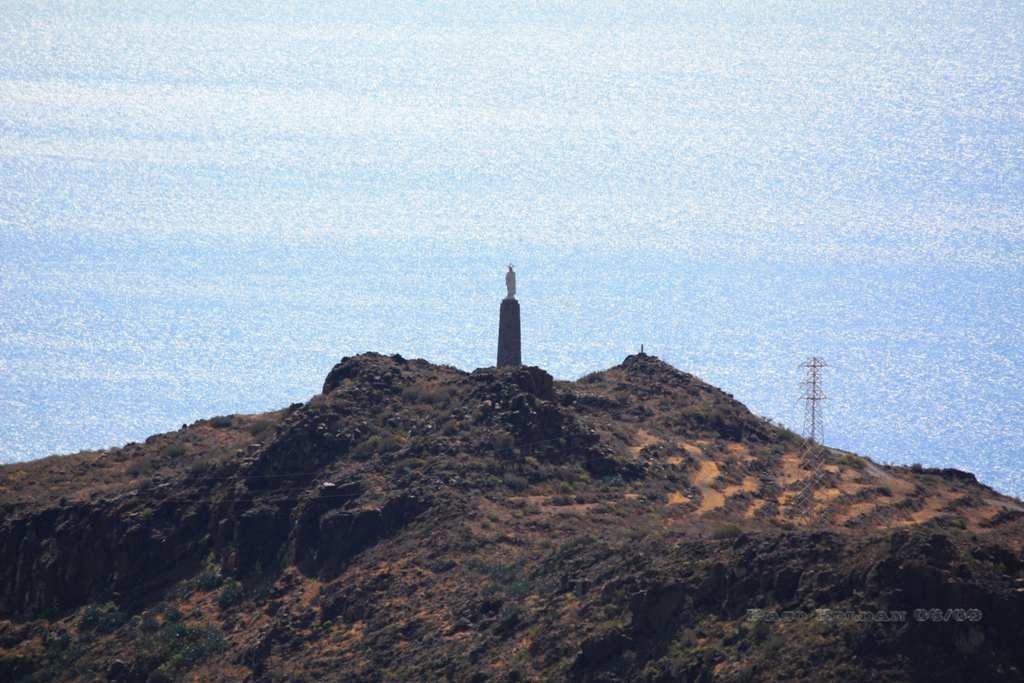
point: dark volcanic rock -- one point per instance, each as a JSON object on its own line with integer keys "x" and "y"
{"x": 61, "y": 558}
{"x": 339, "y": 535}
{"x": 418, "y": 522}
{"x": 498, "y": 382}
{"x": 371, "y": 371}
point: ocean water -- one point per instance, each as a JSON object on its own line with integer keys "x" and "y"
{"x": 202, "y": 209}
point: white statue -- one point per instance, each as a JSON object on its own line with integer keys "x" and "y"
{"x": 510, "y": 282}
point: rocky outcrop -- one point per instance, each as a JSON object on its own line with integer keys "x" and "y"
{"x": 329, "y": 537}
{"x": 492, "y": 383}
{"x": 369, "y": 371}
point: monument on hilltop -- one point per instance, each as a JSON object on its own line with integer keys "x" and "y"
{"x": 509, "y": 350}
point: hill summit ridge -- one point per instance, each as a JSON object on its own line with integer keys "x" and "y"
{"x": 417, "y": 521}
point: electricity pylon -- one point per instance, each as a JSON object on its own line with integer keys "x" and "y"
{"x": 812, "y": 396}
{"x": 813, "y": 453}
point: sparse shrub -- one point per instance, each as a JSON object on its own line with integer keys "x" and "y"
{"x": 515, "y": 482}
{"x": 62, "y": 654}
{"x": 430, "y": 395}
{"x": 231, "y": 594}
{"x": 612, "y": 482}
{"x": 504, "y": 578}
{"x": 852, "y": 461}
{"x": 202, "y": 466}
{"x": 222, "y": 422}
{"x": 378, "y": 443}
{"x": 788, "y": 434}
{"x": 56, "y": 642}
{"x": 509, "y": 619}
{"x": 105, "y": 618}
{"x": 173, "y": 451}
{"x": 759, "y": 633}
{"x": 441, "y": 565}
{"x": 746, "y": 674}
{"x": 142, "y": 469}
{"x": 175, "y": 648}
{"x": 210, "y": 577}
{"x": 917, "y": 467}
{"x": 502, "y": 442}
{"x": 411, "y": 465}
{"x": 727, "y": 531}
{"x": 413, "y": 394}
{"x": 148, "y": 621}
{"x": 258, "y": 427}
{"x": 684, "y": 643}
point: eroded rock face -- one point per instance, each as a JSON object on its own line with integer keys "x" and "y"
{"x": 344, "y": 533}
{"x": 260, "y": 533}
{"x": 335, "y": 528}
{"x": 61, "y": 558}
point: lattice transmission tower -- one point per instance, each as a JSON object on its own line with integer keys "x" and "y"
{"x": 812, "y": 397}
{"x": 813, "y": 454}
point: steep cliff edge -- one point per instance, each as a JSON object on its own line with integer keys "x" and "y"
{"x": 416, "y": 521}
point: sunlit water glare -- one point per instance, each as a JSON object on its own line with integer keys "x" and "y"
{"x": 200, "y": 212}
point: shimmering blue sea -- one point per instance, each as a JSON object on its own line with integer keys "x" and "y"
{"x": 202, "y": 209}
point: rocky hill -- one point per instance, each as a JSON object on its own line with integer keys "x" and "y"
{"x": 418, "y": 522}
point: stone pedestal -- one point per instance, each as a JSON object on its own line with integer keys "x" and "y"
{"x": 509, "y": 352}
